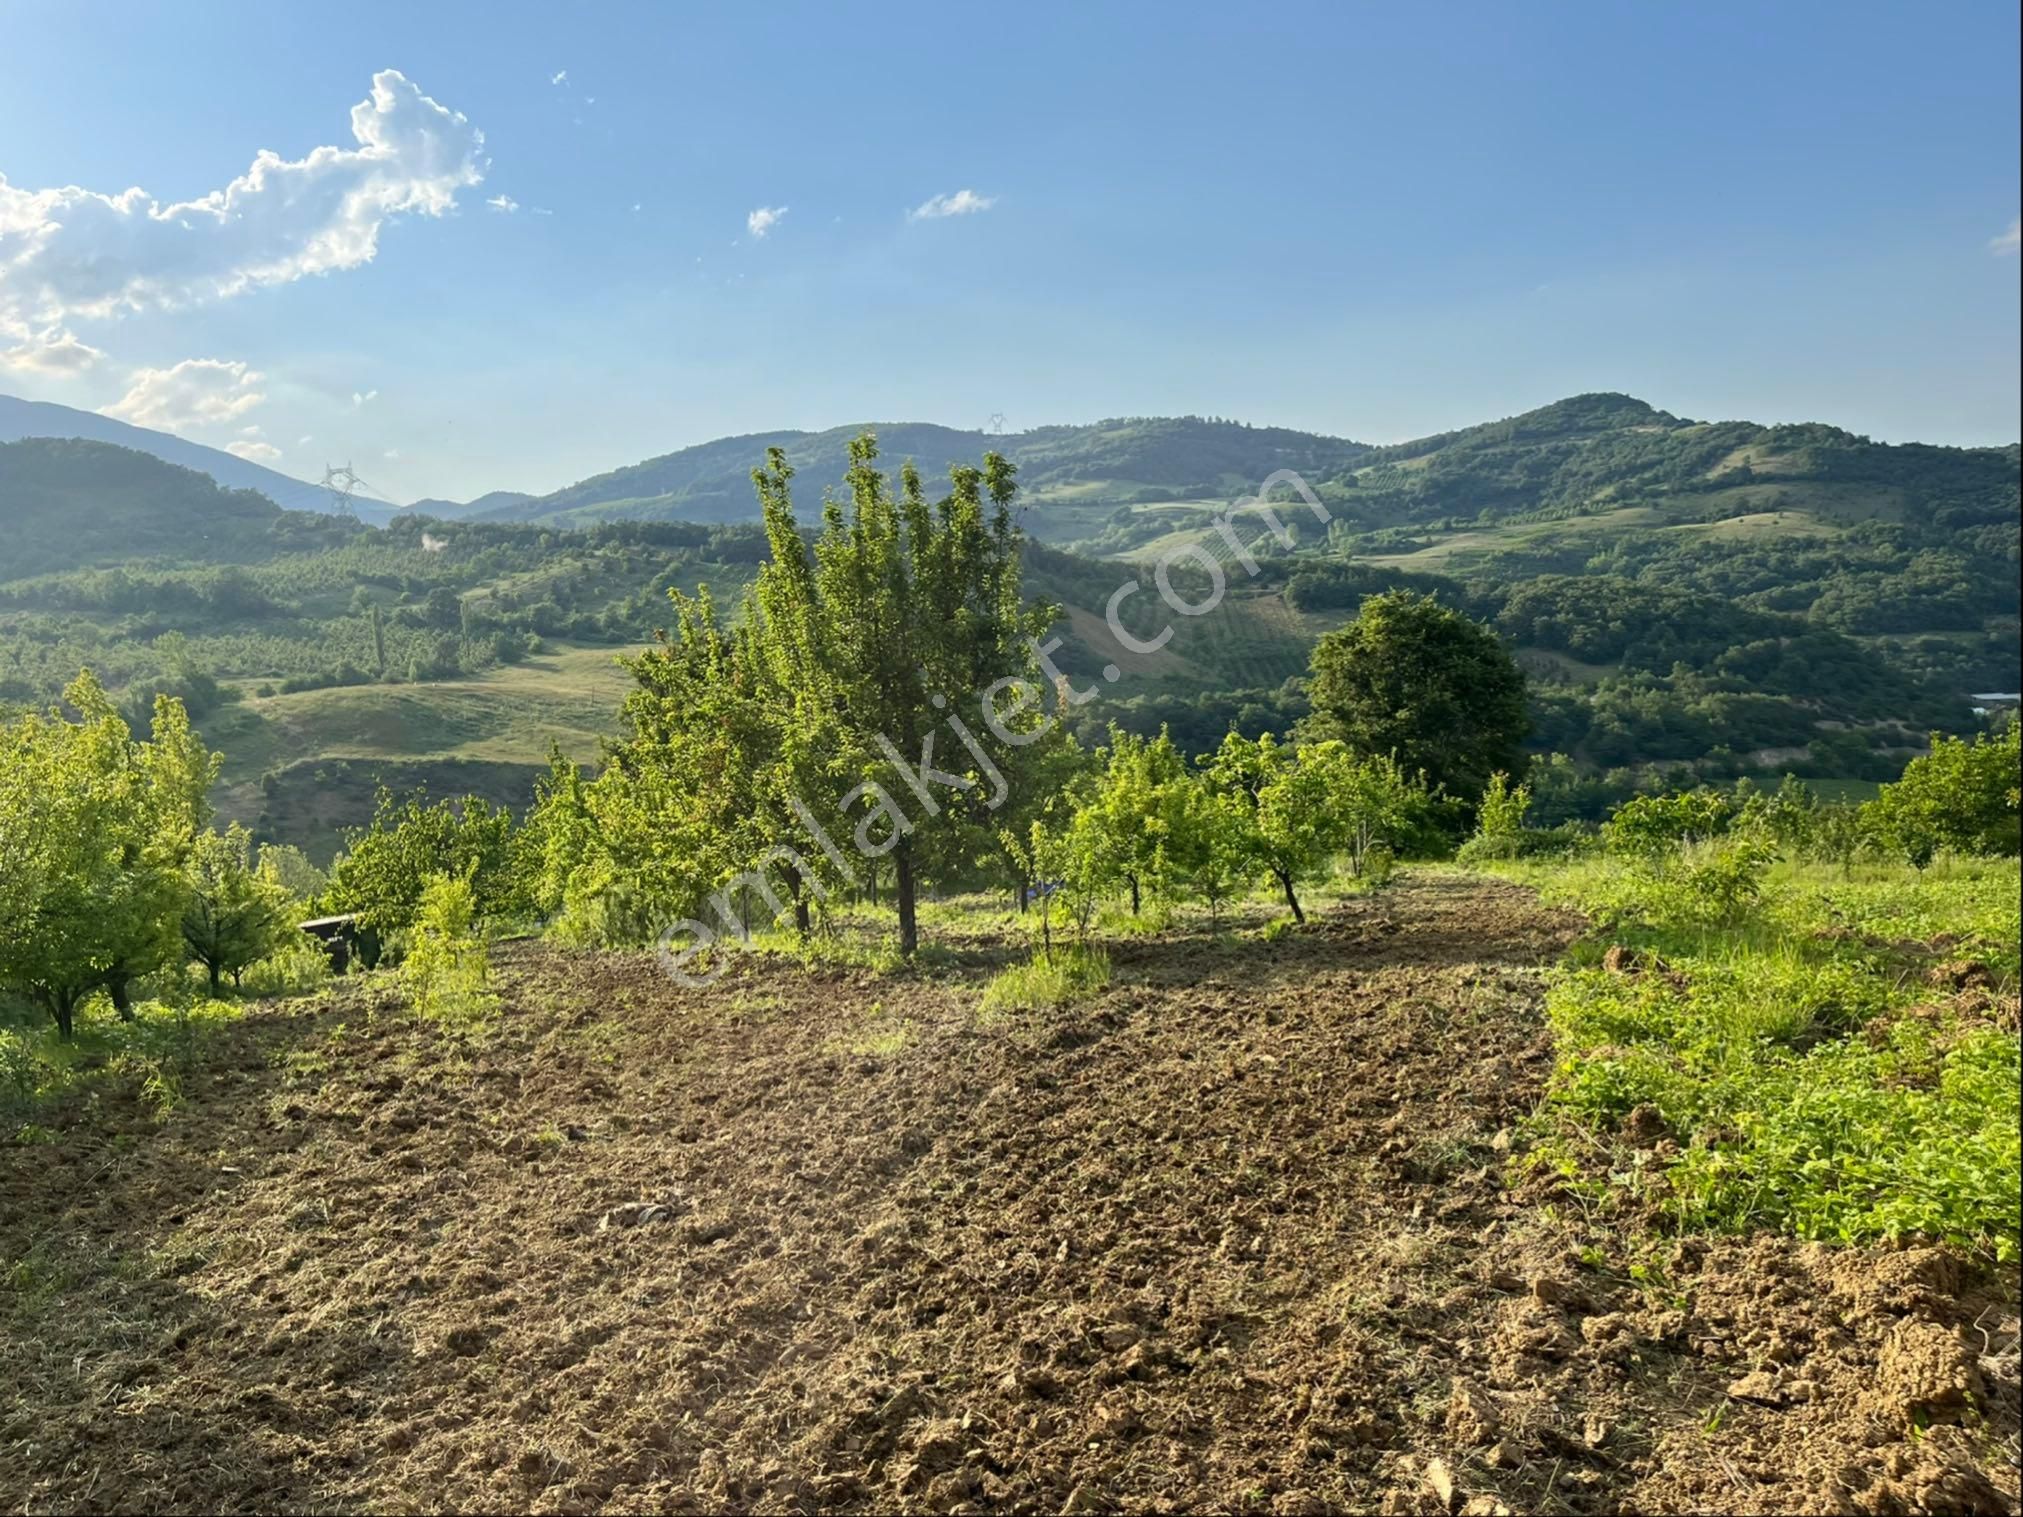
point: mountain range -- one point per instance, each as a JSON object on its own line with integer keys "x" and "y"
{"x": 1722, "y": 595}
{"x": 40, "y": 418}
{"x": 1121, "y": 486}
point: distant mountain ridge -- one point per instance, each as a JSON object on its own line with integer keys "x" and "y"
{"x": 1114, "y": 462}
{"x": 40, "y": 418}
{"x": 488, "y": 504}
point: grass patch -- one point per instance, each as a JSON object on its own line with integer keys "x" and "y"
{"x": 1836, "y": 1058}
{"x": 880, "y": 1036}
{"x": 152, "y": 1054}
{"x": 1069, "y": 974}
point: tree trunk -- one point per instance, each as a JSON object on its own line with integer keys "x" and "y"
{"x": 212, "y": 969}
{"x": 902, "y": 892}
{"x": 1285, "y": 884}
{"x": 62, "y": 1006}
{"x": 1134, "y": 892}
{"x": 119, "y": 988}
{"x": 800, "y": 894}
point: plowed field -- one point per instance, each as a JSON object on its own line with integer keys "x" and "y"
{"x": 1247, "y": 1232}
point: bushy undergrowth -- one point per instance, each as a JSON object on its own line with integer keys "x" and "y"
{"x": 152, "y": 1054}
{"x": 1787, "y": 1027}
{"x": 1070, "y": 973}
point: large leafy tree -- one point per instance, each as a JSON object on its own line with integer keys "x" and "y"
{"x": 899, "y": 610}
{"x": 827, "y": 710}
{"x": 1426, "y": 685}
{"x": 95, "y": 830}
{"x": 387, "y": 866}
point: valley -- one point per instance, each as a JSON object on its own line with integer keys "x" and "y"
{"x": 1596, "y": 532}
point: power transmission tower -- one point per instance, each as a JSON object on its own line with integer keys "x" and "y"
{"x": 343, "y": 483}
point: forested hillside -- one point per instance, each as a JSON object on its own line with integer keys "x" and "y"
{"x": 39, "y": 418}
{"x": 1689, "y": 600}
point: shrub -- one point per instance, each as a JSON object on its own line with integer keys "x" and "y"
{"x": 445, "y": 973}
{"x": 1960, "y": 796}
{"x": 1499, "y": 822}
{"x": 390, "y": 864}
{"x": 1649, "y": 825}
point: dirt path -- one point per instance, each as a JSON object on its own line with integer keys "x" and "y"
{"x": 1236, "y": 1236}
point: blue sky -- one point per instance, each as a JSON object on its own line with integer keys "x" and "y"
{"x": 1372, "y": 223}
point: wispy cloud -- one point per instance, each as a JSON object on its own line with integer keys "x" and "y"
{"x": 198, "y": 392}
{"x": 2010, "y": 241}
{"x": 961, "y": 203}
{"x": 560, "y": 76}
{"x": 504, "y": 203}
{"x": 68, "y": 253}
{"x": 253, "y": 450}
{"x": 764, "y": 219}
{"x": 362, "y": 398}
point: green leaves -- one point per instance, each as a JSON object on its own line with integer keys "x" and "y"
{"x": 1962, "y": 795}
{"x": 387, "y": 868}
{"x": 751, "y": 744}
{"x": 445, "y": 972}
{"x": 233, "y": 915}
{"x": 95, "y": 829}
{"x": 1428, "y": 687}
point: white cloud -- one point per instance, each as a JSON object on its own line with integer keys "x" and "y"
{"x": 2010, "y": 241}
{"x": 198, "y": 392}
{"x": 53, "y": 350}
{"x": 360, "y": 399}
{"x": 560, "y": 76}
{"x": 391, "y": 455}
{"x": 504, "y": 203}
{"x": 253, "y": 452}
{"x": 305, "y": 440}
{"x": 764, "y": 219}
{"x": 69, "y": 253}
{"x": 961, "y": 203}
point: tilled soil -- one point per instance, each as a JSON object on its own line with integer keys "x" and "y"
{"x": 1239, "y": 1235}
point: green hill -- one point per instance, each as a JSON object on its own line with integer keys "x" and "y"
{"x": 69, "y": 504}
{"x": 1714, "y": 599}
{"x": 44, "y": 419}
{"x": 1069, "y": 474}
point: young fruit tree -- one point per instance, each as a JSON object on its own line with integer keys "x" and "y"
{"x": 234, "y": 914}
{"x": 98, "y": 828}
